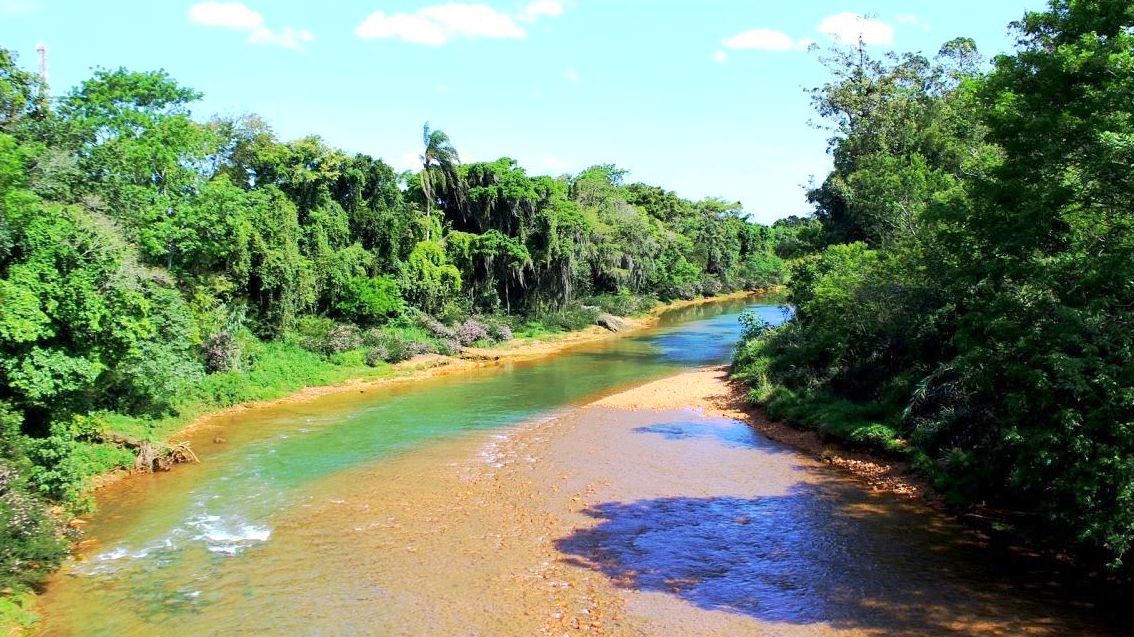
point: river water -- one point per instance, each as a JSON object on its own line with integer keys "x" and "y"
{"x": 437, "y": 508}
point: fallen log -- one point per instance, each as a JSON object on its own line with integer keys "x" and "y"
{"x": 152, "y": 456}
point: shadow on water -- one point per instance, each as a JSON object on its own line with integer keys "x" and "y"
{"x": 730, "y": 433}
{"x": 822, "y": 553}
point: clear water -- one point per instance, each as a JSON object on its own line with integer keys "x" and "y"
{"x": 158, "y": 542}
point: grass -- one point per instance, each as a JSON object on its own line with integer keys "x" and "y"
{"x": 17, "y": 613}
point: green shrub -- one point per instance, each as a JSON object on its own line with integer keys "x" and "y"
{"x": 31, "y": 542}
{"x": 396, "y": 344}
{"x": 370, "y": 301}
{"x": 624, "y": 303}
{"x": 569, "y": 319}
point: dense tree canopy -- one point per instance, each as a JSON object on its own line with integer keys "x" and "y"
{"x": 974, "y": 310}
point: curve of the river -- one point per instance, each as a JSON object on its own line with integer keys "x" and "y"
{"x": 492, "y": 503}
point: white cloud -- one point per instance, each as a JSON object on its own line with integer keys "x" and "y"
{"x": 439, "y": 24}
{"x": 762, "y": 39}
{"x": 287, "y": 37}
{"x": 230, "y": 15}
{"x": 541, "y": 8}
{"x": 720, "y": 57}
{"x": 411, "y": 28}
{"x": 238, "y": 17}
{"x": 846, "y": 28}
{"x": 571, "y": 75}
{"x": 18, "y": 7}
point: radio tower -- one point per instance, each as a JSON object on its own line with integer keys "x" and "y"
{"x": 41, "y": 48}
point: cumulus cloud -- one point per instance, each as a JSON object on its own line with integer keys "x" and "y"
{"x": 846, "y": 28}
{"x": 541, "y": 9}
{"x": 440, "y": 24}
{"x": 286, "y": 37}
{"x": 230, "y": 15}
{"x": 762, "y": 39}
{"x": 238, "y": 17}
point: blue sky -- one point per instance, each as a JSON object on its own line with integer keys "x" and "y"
{"x": 704, "y": 97}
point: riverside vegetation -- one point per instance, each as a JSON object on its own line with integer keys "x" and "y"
{"x": 973, "y": 311}
{"x": 154, "y": 267}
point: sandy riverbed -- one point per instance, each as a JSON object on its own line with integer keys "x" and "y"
{"x": 651, "y": 512}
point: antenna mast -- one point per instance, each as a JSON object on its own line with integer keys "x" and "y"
{"x": 41, "y": 48}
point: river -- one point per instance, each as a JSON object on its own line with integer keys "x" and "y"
{"x": 494, "y": 503}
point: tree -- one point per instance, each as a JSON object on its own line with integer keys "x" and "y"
{"x": 439, "y": 161}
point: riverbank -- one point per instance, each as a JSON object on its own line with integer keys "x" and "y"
{"x": 178, "y": 429}
{"x": 643, "y": 513}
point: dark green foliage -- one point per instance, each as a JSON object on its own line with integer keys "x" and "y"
{"x": 984, "y": 325}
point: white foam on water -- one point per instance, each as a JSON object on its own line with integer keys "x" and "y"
{"x": 220, "y": 535}
{"x": 229, "y": 537}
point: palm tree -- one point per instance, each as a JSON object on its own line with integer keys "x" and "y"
{"x": 439, "y": 163}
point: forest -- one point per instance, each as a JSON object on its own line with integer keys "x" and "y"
{"x": 154, "y": 266}
{"x": 972, "y": 310}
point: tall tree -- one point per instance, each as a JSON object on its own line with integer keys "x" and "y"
{"x": 439, "y": 162}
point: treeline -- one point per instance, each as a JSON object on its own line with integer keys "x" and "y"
{"x": 152, "y": 264}
{"x": 974, "y": 309}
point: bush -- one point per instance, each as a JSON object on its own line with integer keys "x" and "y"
{"x": 471, "y": 331}
{"x": 711, "y": 286}
{"x": 324, "y": 336}
{"x": 396, "y": 345}
{"x": 370, "y": 301}
{"x": 221, "y": 352}
{"x": 571, "y": 318}
{"x": 342, "y": 338}
{"x": 624, "y": 303}
{"x": 449, "y": 347}
{"x": 435, "y": 327}
{"x": 498, "y": 327}
{"x": 31, "y": 542}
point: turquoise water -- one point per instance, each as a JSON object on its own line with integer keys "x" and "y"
{"x": 151, "y": 530}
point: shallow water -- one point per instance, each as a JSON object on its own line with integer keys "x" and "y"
{"x": 493, "y": 503}
{"x": 158, "y": 543}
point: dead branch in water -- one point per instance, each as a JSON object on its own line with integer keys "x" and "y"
{"x": 153, "y": 456}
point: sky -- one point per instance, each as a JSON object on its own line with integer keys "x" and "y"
{"x": 702, "y": 97}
